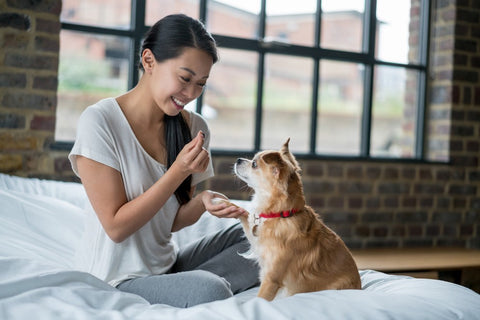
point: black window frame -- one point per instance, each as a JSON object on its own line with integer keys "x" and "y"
{"x": 315, "y": 52}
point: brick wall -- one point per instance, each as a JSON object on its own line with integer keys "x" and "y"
{"x": 370, "y": 204}
{"x": 29, "y": 42}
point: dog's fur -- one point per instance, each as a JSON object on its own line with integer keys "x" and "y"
{"x": 299, "y": 253}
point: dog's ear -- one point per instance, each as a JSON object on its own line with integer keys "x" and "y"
{"x": 276, "y": 160}
{"x": 273, "y": 158}
{"x": 285, "y": 151}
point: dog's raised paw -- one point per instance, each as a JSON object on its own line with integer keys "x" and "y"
{"x": 221, "y": 200}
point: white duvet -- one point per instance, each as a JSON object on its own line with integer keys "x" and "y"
{"x": 40, "y": 224}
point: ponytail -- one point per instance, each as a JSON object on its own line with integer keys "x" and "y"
{"x": 177, "y": 135}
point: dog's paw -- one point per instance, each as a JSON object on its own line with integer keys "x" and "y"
{"x": 221, "y": 200}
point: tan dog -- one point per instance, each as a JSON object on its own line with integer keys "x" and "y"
{"x": 295, "y": 249}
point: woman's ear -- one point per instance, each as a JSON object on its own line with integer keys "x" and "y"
{"x": 148, "y": 59}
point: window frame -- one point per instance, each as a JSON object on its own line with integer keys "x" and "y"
{"x": 316, "y": 53}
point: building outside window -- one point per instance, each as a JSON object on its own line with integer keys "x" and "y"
{"x": 340, "y": 78}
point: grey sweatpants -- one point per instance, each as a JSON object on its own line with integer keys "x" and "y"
{"x": 206, "y": 270}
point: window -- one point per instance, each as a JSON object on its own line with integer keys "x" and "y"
{"x": 92, "y": 67}
{"x": 340, "y": 78}
{"x": 286, "y": 102}
{"x": 340, "y": 106}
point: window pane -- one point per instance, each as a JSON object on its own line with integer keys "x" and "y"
{"x": 291, "y": 21}
{"x": 157, "y": 9}
{"x": 234, "y": 18}
{"x": 399, "y": 28}
{"x": 394, "y": 112}
{"x": 92, "y": 67}
{"x": 340, "y": 108}
{"x": 287, "y": 102}
{"x": 105, "y": 13}
{"x": 230, "y": 100}
{"x": 342, "y": 25}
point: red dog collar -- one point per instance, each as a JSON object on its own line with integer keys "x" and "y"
{"x": 281, "y": 214}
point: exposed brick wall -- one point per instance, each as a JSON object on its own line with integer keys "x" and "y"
{"x": 384, "y": 204}
{"x": 29, "y": 42}
{"x": 370, "y": 204}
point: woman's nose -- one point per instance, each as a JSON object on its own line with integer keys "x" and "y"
{"x": 192, "y": 91}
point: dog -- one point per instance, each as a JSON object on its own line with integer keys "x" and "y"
{"x": 295, "y": 250}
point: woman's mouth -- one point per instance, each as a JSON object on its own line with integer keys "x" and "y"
{"x": 179, "y": 104}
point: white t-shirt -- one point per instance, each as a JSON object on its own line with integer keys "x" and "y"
{"x": 104, "y": 135}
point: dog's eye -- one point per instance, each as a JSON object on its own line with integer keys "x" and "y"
{"x": 254, "y": 164}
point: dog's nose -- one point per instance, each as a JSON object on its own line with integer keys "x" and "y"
{"x": 239, "y": 160}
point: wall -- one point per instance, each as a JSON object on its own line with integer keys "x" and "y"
{"x": 370, "y": 204}
{"x": 29, "y": 33}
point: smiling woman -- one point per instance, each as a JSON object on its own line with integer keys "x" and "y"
{"x": 140, "y": 156}
{"x": 179, "y": 80}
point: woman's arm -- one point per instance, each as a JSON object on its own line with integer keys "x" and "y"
{"x": 105, "y": 189}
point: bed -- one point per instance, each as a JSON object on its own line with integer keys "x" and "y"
{"x": 41, "y": 222}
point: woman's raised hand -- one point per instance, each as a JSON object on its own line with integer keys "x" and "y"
{"x": 194, "y": 157}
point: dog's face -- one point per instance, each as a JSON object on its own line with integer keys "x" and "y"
{"x": 268, "y": 170}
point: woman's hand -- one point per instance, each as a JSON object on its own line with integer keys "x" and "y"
{"x": 193, "y": 158}
{"x": 221, "y": 209}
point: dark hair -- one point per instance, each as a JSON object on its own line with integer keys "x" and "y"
{"x": 167, "y": 39}
{"x": 170, "y": 35}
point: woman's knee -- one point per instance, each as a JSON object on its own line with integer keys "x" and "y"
{"x": 209, "y": 287}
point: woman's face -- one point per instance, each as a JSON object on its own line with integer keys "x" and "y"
{"x": 175, "y": 82}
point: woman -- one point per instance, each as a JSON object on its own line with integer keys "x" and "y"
{"x": 139, "y": 157}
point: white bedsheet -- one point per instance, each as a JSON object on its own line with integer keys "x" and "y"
{"x": 40, "y": 224}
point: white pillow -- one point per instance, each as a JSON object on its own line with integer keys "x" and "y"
{"x": 68, "y": 191}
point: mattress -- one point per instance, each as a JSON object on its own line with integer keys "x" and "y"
{"x": 40, "y": 225}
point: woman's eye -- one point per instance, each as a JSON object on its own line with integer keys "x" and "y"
{"x": 185, "y": 79}
{"x": 254, "y": 164}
